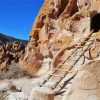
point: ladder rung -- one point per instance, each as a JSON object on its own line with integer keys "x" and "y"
{"x": 60, "y": 70}
{"x": 79, "y": 46}
{"x": 70, "y": 59}
{"x": 73, "y": 59}
{"x": 86, "y": 38}
{"x": 48, "y": 86}
{"x": 56, "y": 75}
{"x": 79, "y": 50}
{"x": 74, "y": 55}
{"x": 77, "y": 55}
{"x": 85, "y": 41}
{"x": 53, "y": 81}
{"x": 71, "y": 56}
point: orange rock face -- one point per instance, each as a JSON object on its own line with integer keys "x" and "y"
{"x": 10, "y": 52}
{"x": 57, "y": 27}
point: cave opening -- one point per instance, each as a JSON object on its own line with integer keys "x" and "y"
{"x": 95, "y": 23}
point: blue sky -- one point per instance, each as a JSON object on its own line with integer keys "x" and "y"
{"x": 17, "y": 17}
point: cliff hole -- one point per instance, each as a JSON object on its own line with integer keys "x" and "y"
{"x": 61, "y": 9}
{"x": 95, "y": 23}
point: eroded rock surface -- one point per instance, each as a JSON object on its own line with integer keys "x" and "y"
{"x": 86, "y": 85}
{"x": 57, "y": 28}
{"x": 10, "y": 54}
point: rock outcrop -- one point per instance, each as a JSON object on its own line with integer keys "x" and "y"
{"x": 57, "y": 29}
{"x": 86, "y": 85}
{"x": 10, "y": 52}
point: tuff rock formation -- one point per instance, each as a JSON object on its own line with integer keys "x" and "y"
{"x": 10, "y": 52}
{"x": 56, "y": 30}
{"x": 86, "y": 85}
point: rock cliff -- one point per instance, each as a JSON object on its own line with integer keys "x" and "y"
{"x": 11, "y": 50}
{"x": 57, "y": 28}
